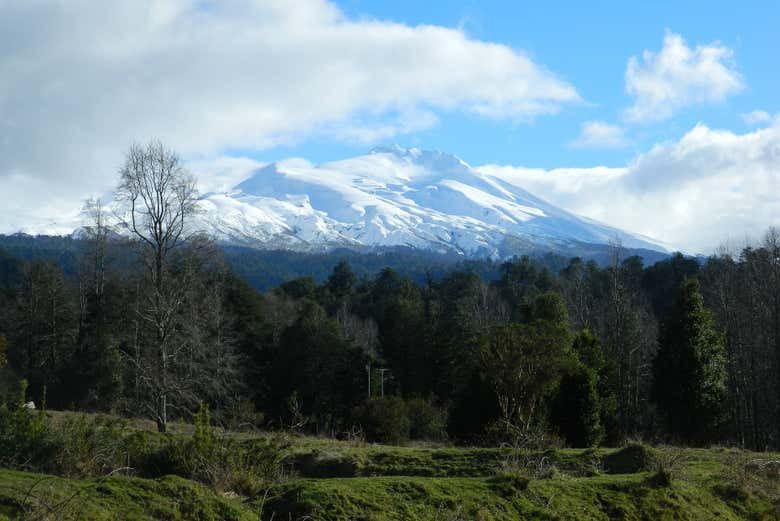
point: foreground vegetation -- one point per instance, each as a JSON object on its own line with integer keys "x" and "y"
{"x": 102, "y": 467}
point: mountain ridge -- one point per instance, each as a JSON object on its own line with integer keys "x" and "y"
{"x": 396, "y": 196}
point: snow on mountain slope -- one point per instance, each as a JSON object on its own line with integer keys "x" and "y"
{"x": 396, "y": 197}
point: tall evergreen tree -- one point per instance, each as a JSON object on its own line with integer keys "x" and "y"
{"x": 342, "y": 280}
{"x": 576, "y": 410}
{"x": 690, "y": 368}
{"x": 590, "y": 353}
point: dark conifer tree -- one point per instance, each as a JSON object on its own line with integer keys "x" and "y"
{"x": 590, "y": 353}
{"x": 342, "y": 280}
{"x": 690, "y": 368}
{"x": 576, "y": 410}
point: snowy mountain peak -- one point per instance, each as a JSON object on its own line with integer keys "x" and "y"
{"x": 395, "y": 196}
{"x": 396, "y": 149}
{"x": 430, "y": 158}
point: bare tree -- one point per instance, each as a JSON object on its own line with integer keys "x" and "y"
{"x": 577, "y": 289}
{"x": 361, "y": 332}
{"x": 159, "y": 199}
{"x": 486, "y": 308}
{"x": 92, "y": 266}
{"x": 628, "y": 331}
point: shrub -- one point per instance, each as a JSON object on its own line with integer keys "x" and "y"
{"x": 243, "y": 416}
{"x": 662, "y": 477}
{"x": 509, "y": 435}
{"x": 384, "y": 419}
{"x": 217, "y": 460}
{"x": 509, "y": 484}
{"x": 25, "y": 434}
{"x": 732, "y": 492}
{"x": 329, "y": 464}
{"x": 634, "y": 457}
{"x": 745, "y": 482}
{"x": 529, "y": 464}
{"x": 426, "y": 420}
{"x": 669, "y": 463}
{"x": 90, "y": 446}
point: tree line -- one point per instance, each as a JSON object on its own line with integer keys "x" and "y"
{"x": 681, "y": 350}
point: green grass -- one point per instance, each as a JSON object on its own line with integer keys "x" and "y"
{"x": 378, "y": 460}
{"x": 574, "y": 485}
{"x": 25, "y": 495}
{"x": 629, "y": 497}
{"x": 326, "y": 479}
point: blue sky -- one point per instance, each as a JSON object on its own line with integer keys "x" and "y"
{"x": 588, "y": 44}
{"x": 678, "y": 101}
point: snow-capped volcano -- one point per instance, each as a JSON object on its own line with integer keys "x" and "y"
{"x": 396, "y": 196}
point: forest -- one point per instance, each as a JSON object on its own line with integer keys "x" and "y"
{"x": 155, "y": 322}
{"x": 678, "y": 351}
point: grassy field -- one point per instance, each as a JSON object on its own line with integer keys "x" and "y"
{"x": 325, "y": 479}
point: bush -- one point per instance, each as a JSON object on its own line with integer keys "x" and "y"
{"x": 634, "y": 457}
{"x": 662, "y": 477}
{"x": 509, "y": 484}
{"x": 329, "y": 464}
{"x": 669, "y": 463}
{"x": 732, "y": 492}
{"x": 25, "y": 434}
{"x": 530, "y": 464}
{"x": 217, "y": 460}
{"x": 87, "y": 446}
{"x": 506, "y": 434}
{"x": 243, "y": 416}
{"x": 426, "y": 420}
{"x": 384, "y": 419}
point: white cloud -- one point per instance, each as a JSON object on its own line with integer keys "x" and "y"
{"x": 663, "y": 83}
{"x": 364, "y": 132}
{"x": 222, "y": 173}
{"x": 756, "y": 117}
{"x": 709, "y": 187}
{"x": 599, "y": 134}
{"x": 30, "y": 205}
{"x": 83, "y": 79}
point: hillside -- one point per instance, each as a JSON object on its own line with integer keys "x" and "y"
{"x": 324, "y": 479}
{"x": 266, "y": 269}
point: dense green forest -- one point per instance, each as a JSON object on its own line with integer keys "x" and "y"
{"x": 681, "y": 350}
